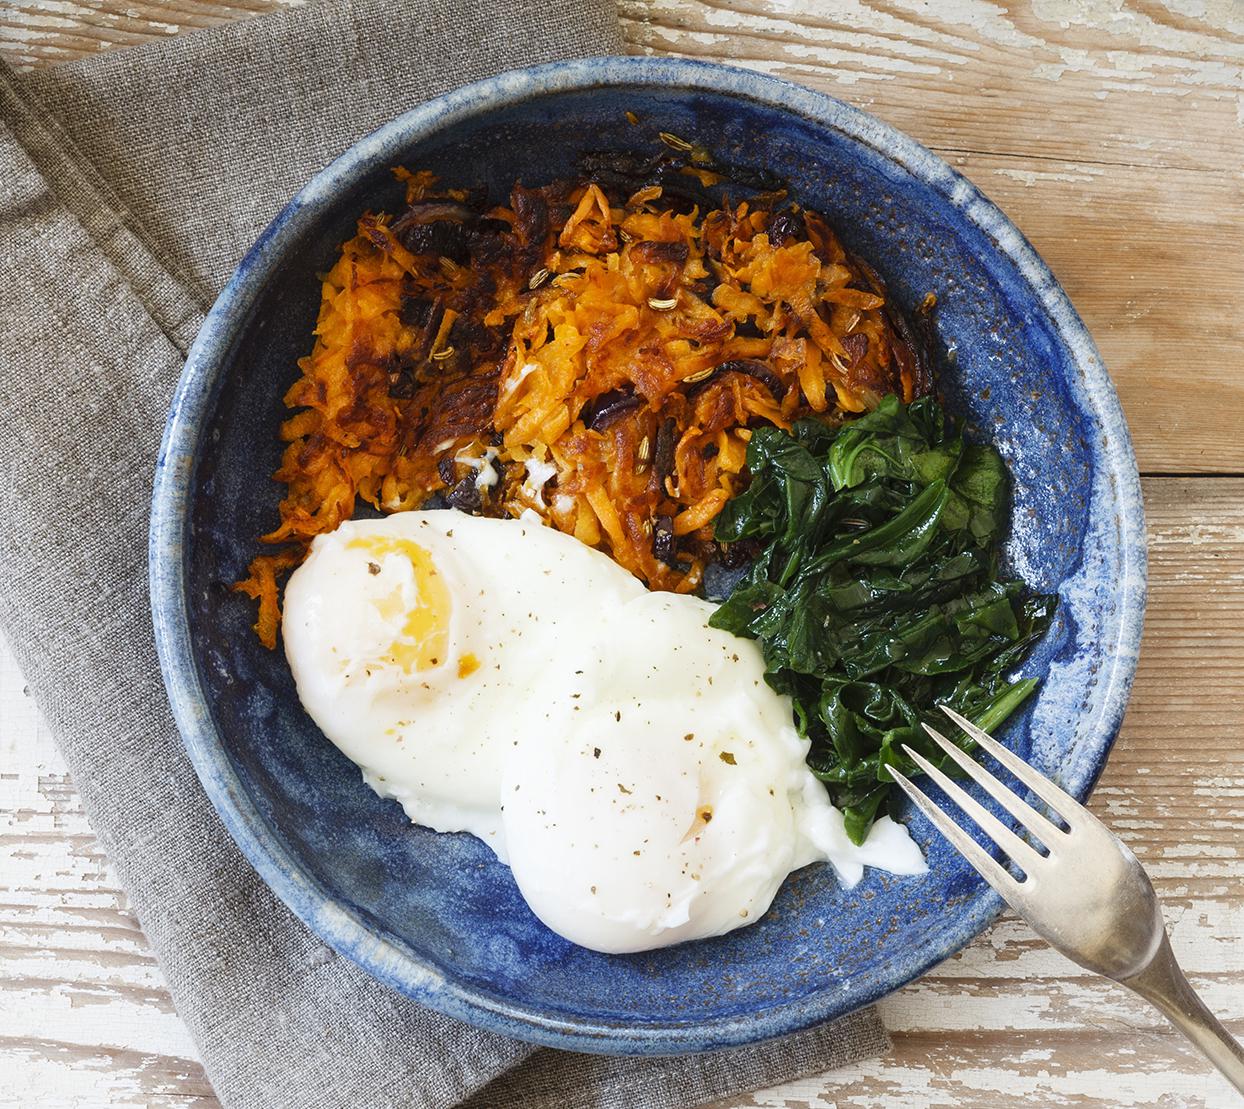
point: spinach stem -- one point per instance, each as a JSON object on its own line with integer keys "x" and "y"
{"x": 999, "y": 711}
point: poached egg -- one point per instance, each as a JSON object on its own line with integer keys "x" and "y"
{"x": 629, "y": 762}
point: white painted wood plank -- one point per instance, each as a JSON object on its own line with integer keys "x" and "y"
{"x": 85, "y": 1018}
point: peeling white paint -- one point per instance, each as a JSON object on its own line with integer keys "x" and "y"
{"x": 1074, "y": 174}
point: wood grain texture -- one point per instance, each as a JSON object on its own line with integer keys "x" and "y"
{"x": 85, "y": 1020}
{"x": 1112, "y": 131}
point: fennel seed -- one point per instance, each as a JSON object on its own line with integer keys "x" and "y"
{"x": 675, "y": 143}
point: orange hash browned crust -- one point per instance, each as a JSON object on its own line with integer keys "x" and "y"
{"x": 595, "y": 351}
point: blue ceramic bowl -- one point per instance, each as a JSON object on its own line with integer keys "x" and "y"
{"x": 436, "y": 916}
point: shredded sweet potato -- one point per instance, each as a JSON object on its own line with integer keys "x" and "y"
{"x": 595, "y": 351}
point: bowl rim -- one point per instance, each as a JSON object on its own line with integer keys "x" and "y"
{"x": 341, "y": 926}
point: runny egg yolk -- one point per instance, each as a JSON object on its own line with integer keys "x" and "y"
{"x": 424, "y": 640}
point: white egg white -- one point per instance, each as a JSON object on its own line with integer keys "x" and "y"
{"x": 434, "y": 738}
{"x": 628, "y": 761}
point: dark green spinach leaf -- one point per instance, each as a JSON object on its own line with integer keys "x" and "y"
{"x": 875, "y": 597}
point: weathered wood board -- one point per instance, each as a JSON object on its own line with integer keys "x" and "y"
{"x": 1112, "y": 131}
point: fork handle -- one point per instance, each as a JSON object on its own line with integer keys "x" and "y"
{"x": 1164, "y": 986}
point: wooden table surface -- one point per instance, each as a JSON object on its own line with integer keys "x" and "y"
{"x": 1112, "y": 132}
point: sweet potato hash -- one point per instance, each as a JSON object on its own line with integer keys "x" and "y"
{"x": 596, "y": 351}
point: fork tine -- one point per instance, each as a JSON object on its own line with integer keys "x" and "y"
{"x": 1062, "y": 803}
{"x": 990, "y": 869}
{"x": 1022, "y": 853}
{"x": 1047, "y": 832}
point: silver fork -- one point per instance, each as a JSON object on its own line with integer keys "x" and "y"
{"x": 1089, "y": 897}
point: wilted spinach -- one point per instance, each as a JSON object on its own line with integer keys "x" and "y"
{"x": 876, "y": 595}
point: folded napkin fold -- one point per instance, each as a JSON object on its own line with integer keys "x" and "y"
{"x": 130, "y": 185}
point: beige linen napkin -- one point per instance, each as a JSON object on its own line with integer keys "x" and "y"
{"x": 130, "y": 185}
